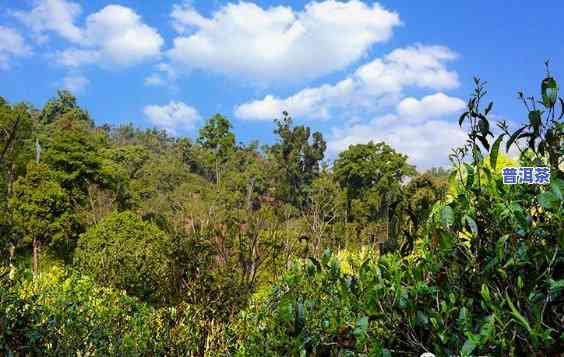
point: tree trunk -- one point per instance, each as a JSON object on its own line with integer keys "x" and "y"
{"x": 36, "y": 250}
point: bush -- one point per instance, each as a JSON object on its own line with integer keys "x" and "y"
{"x": 125, "y": 252}
{"x": 63, "y": 313}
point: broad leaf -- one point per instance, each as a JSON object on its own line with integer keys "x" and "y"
{"x": 495, "y": 150}
{"x": 535, "y": 119}
{"x": 484, "y": 126}
{"x": 447, "y": 216}
{"x": 472, "y": 224}
{"x": 513, "y": 137}
{"x": 547, "y": 199}
{"x": 462, "y": 117}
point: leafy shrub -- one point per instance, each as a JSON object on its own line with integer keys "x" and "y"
{"x": 125, "y": 252}
{"x": 63, "y": 313}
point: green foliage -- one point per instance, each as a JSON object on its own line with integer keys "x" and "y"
{"x": 63, "y": 105}
{"x": 124, "y": 252}
{"x": 372, "y": 173}
{"x": 296, "y": 160}
{"x": 70, "y": 150}
{"x": 483, "y": 279}
{"x": 41, "y": 209}
{"x": 208, "y": 248}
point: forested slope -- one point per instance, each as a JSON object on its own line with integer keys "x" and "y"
{"x": 121, "y": 241}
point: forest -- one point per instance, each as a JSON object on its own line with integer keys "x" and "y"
{"x": 116, "y": 240}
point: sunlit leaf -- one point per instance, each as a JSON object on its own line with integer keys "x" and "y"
{"x": 495, "y": 150}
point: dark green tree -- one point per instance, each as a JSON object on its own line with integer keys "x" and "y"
{"x": 41, "y": 210}
{"x": 372, "y": 176}
{"x": 296, "y": 159}
{"x": 71, "y": 149}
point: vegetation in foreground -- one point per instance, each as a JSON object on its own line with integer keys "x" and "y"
{"x": 118, "y": 241}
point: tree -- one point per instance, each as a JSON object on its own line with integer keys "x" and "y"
{"x": 296, "y": 159}
{"x": 63, "y": 103}
{"x": 125, "y": 252}
{"x": 421, "y": 193}
{"x": 326, "y": 206}
{"x": 71, "y": 149}
{"x": 41, "y": 209}
{"x": 372, "y": 176}
{"x": 216, "y": 136}
{"x": 15, "y": 134}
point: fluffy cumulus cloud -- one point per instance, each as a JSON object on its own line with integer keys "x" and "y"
{"x": 430, "y": 106}
{"x": 173, "y": 117}
{"x": 371, "y": 87}
{"x": 120, "y": 37}
{"x": 417, "y": 128}
{"x": 278, "y": 43}
{"x": 12, "y": 44}
{"x": 113, "y": 36}
{"x": 52, "y": 16}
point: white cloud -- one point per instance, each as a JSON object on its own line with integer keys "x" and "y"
{"x": 426, "y": 142}
{"x": 277, "y": 43}
{"x": 372, "y": 86}
{"x": 11, "y": 45}
{"x": 77, "y": 57}
{"x": 429, "y": 107}
{"x": 76, "y": 83}
{"x": 154, "y": 80}
{"x": 173, "y": 116}
{"x": 120, "y": 37}
{"x": 52, "y": 15}
{"x": 113, "y": 36}
{"x": 165, "y": 75}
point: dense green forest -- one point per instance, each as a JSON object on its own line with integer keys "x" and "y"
{"x": 122, "y": 241}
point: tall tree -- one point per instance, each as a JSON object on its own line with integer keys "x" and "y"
{"x": 62, "y": 104}
{"x": 296, "y": 159}
{"x": 41, "y": 209}
{"x": 71, "y": 149}
{"x": 216, "y": 136}
{"x": 372, "y": 175}
{"x": 16, "y": 125}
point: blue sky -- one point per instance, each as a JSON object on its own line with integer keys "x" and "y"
{"x": 397, "y": 71}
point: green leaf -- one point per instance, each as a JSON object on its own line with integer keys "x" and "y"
{"x": 469, "y": 346}
{"x": 447, "y": 216}
{"x": 462, "y": 117}
{"x": 471, "y": 223}
{"x": 489, "y": 108}
{"x": 513, "y": 137}
{"x": 495, "y": 150}
{"x": 485, "y": 292}
{"x": 422, "y": 319}
{"x": 549, "y": 90}
{"x": 547, "y": 199}
{"x": 557, "y": 186}
{"x": 484, "y": 126}
{"x": 535, "y": 119}
{"x": 469, "y": 175}
{"x": 484, "y": 141}
{"x": 520, "y": 319}
{"x": 556, "y": 286}
{"x": 361, "y": 327}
